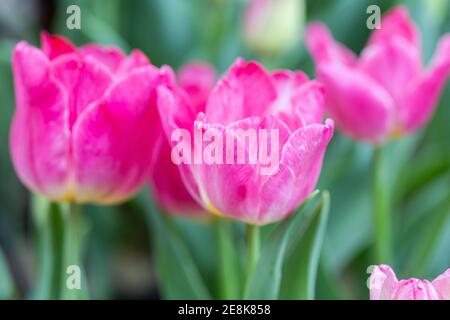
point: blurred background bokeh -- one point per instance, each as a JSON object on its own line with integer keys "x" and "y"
{"x": 120, "y": 263}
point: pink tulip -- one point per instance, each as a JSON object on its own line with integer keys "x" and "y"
{"x": 386, "y": 92}
{"x": 82, "y": 130}
{"x": 196, "y": 79}
{"x": 248, "y": 97}
{"x": 383, "y": 285}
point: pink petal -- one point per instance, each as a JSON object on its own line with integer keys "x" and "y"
{"x": 415, "y": 289}
{"x": 299, "y": 102}
{"x": 301, "y": 159}
{"x": 392, "y": 64}
{"x": 113, "y": 140}
{"x": 359, "y": 105}
{"x": 233, "y": 188}
{"x": 176, "y": 112}
{"x": 39, "y": 135}
{"x": 382, "y": 283}
{"x": 324, "y": 48}
{"x": 396, "y": 24}
{"x": 197, "y": 79}
{"x": 136, "y": 59}
{"x": 55, "y": 46}
{"x": 84, "y": 80}
{"x": 442, "y": 285}
{"x": 111, "y": 57}
{"x": 422, "y": 96}
{"x": 246, "y": 90}
{"x": 168, "y": 187}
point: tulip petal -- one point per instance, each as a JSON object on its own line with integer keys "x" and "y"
{"x": 299, "y": 102}
{"x": 117, "y": 164}
{"x": 415, "y": 289}
{"x": 392, "y": 64}
{"x": 197, "y": 79}
{"x": 422, "y": 95}
{"x": 168, "y": 187}
{"x": 246, "y": 90}
{"x": 136, "y": 60}
{"x": 55, "y": 46}
{"x": 39, "y": 134}
{"x": 232, "y": 187}
{"x": 84, "y": 80}
{"x": 300, "y": 166}
{"x": 396, "y": 24}
{"x": 382, "y": 283}
{"x": 324, "y": 49}
{"x": 442, "y": 285}
{"x": 176, "y": 112}
{"x": 111, "y": 57}
{"x": 360, "y": 107}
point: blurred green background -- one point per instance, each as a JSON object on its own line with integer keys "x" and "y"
{"x": 120, "y": 262}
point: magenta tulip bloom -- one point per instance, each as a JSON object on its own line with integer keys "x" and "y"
{"x": 82, "y": 130}
{"x": 385, "y": 286}
{"x": 386, "y": 92}
{"x": 248, "y": 99}
{"x": 196, "y": 79}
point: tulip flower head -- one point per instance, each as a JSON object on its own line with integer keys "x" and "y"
{"x": 383, "y": 285}
{"x": 386, "y": 93}
{"x": 249, "y": 100}
{"x": 82, "y": 129}
{"x": 196, "y": 79}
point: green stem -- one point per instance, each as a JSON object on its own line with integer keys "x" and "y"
{"x": 49, "y": 235}
{"x": 253, "y": 247}
{"x": 381, "y": 208}
{"x": 74, "y": 284}
{"x": 228, "y": 271}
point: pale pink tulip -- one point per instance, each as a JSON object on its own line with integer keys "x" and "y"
{"x": 387, "y": 92}
{"x": 249, "y": 97}
{"x": 383, "y": 285}
{"x": 196, "y": 79}
{"x": 82, "y": 130}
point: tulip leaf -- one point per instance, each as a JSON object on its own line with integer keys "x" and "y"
{"x": 179, "y": 275}
{"x": 265, "y": 279}
{"x": 303, "y": 260}
{"x": 6, "y": 282}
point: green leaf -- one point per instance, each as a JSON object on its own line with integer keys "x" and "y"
{"x": 265, "y": 280}
{"x": 428, "y": 239}
{"x": 302, "y": 262}
{"x": 6, "y": 282}
{"x": 179, "y": 276}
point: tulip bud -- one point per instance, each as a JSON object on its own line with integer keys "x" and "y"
{"x": 273, "y": 26}
{"x": 385, "y": 286}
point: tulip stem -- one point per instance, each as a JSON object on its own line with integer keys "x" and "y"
{"x": 74, "y": 278}
{"x": 381, "y": 208}
{"x": 228, "y": 273}
{"x": 253, "y": 247}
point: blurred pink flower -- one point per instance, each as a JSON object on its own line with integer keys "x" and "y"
{"x": 383, "y": 285}
{"x": 82, "y": 129}
{"x": 248, "y": 97}
{"x": 386, "y": 92}
{"x": 196, "y": 79}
